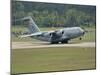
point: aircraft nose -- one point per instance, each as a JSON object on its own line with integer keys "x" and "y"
{"x": 83, "y": 32}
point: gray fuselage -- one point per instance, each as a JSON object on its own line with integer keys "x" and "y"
{"x": 61, "y": 35}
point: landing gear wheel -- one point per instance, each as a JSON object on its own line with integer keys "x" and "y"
{"x": 80, "y": 38}
{"x": 54, "y": 42}
{"x": 63, "y": 42}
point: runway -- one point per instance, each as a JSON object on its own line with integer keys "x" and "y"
{"x": 24, "y": 45}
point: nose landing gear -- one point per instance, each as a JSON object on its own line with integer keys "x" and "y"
{"x": 80, "y": 38}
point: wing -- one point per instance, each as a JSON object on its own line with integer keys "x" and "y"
{"x": 29, "y": 35}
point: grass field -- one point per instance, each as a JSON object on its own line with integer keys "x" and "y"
{"x": 52, "y": 59}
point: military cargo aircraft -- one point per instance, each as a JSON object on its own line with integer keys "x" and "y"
{"x": 54, "y": 37}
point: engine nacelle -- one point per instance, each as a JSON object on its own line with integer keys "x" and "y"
{"x": 53, "y": 34}
{"x": 60, "y": 33}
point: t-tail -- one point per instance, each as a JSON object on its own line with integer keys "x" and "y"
{"x": 32, "y": 27}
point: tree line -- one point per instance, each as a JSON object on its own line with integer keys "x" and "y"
{"x": 53, "y": 14}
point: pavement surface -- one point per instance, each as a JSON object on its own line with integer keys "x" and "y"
{"x": 24, "y": 45}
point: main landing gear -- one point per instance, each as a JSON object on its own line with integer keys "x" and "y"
{"x": 63, "y": 42}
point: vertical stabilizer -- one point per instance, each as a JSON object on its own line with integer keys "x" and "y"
{"x": 33, "y": 28}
